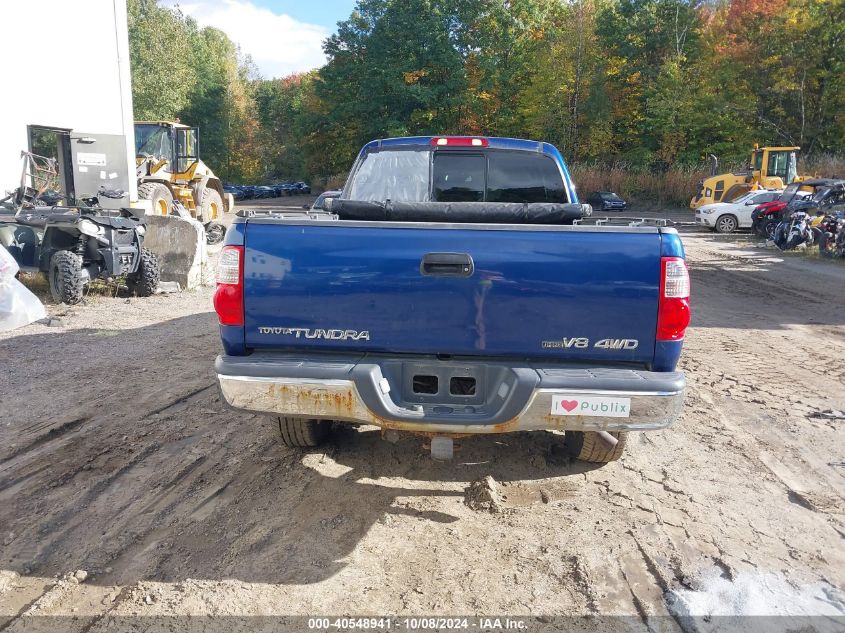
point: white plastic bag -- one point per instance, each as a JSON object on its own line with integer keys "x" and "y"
{"x": 18, "y": 306}
{"x": 8, "y": 266}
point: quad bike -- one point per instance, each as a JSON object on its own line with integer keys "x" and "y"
{"x": 75, "y": 245}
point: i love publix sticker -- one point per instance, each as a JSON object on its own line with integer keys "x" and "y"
{"x": 596, "y": 406}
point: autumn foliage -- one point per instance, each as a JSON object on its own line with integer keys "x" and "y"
{"x": 645, "y": 87}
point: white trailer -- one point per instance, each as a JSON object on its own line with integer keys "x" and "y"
{"x": 66, "y": 68}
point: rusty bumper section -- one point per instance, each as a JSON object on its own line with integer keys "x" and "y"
{"x": 357, "y": 391}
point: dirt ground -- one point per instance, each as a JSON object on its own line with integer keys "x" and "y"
{"x": 127, "y": 488}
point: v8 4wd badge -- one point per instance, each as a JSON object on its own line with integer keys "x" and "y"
{"x": 584, "y": 343}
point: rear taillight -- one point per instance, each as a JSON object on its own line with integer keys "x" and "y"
{"x": 673, "y": 313}
{"x": 459, "y": 141}
{"x": 229, "y": 296}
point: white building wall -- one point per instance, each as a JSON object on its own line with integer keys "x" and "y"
{"x": 65, "y": 65}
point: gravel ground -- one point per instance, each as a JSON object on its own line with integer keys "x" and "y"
{"x": 129, "y": 489}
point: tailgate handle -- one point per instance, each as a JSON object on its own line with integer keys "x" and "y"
{"x": 447, "y": 265}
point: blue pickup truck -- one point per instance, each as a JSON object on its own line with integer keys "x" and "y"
{"x": 456, "y": 286}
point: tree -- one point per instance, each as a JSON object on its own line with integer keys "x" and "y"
{"x": 160, "y": 57}
{"x": 649, "y": 82}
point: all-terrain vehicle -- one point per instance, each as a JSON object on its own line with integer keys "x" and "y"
{"x": 75, "y": 245}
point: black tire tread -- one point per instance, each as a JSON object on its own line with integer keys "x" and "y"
{"x": 303, "y": 433}
{"x": 793, "y": 243}
{"x": 71, "y": 285}
{"x": 589, "y": 447}
{"x": 147, "y": 191}
{"x": 209, "y": 235}
{"x": 144, "y": 281}
{"x": 765, "y": 229}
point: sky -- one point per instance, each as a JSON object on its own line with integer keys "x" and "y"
{"x": 282, "y": 36}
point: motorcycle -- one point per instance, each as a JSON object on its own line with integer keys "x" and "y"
{"x": 794, "y": 231}
{"x": 830, "y": 236}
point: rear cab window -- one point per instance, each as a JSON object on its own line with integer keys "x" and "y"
{"x": 399, "y": 175}
{"x": 459, "y": 177}
{"x": 423, "y": 175}
{"x": 523, "y": 177}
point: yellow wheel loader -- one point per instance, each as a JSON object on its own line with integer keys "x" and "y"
{"x": 770, "y": 168}
{"x": 169, "y": 169}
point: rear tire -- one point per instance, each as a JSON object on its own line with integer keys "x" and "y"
{"x": 589, "y": 447}
{"x": 301, "y": 433}
{"x": 214, "y": 233}
{"x": 159, "y": 194}
{"x": 726, "y": 224}
{"x": 144, "y": 281}
{"x": 793, "y": 242}
{"x": 768, "y": 230}
{"x": 65, "y": 276}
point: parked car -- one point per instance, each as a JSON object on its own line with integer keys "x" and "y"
{"x": 606, "y": 201}
{"x": 282, "y": 188}
{"x": 727, "y": 217}
{"x": 248, "y": 191}
{"x": 301, "y": 187}
{"x": 321, "y": 199}
{"x": 237, "y": 192}
{"x": 400, "y": 314}
{"x": 766, "y": 217}
{"x": 264, "y": 192}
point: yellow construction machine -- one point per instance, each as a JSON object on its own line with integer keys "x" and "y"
{"x": 770, "y": 168}
{"x": 169, "y": 168}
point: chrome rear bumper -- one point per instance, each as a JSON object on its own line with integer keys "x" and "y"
{"x": 356, "y": 390}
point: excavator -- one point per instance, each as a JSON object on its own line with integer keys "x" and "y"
{"x": 169, "y": 169}
{"x": 770, "y": 168}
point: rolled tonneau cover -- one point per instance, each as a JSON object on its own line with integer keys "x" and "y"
{"x": 459, "y": 212}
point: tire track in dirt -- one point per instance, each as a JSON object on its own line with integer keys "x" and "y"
{"x": 51, "y": 434}
{"x": 180, "y": 400}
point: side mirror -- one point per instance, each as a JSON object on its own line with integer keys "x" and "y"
{"x": 305, "y": 206}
